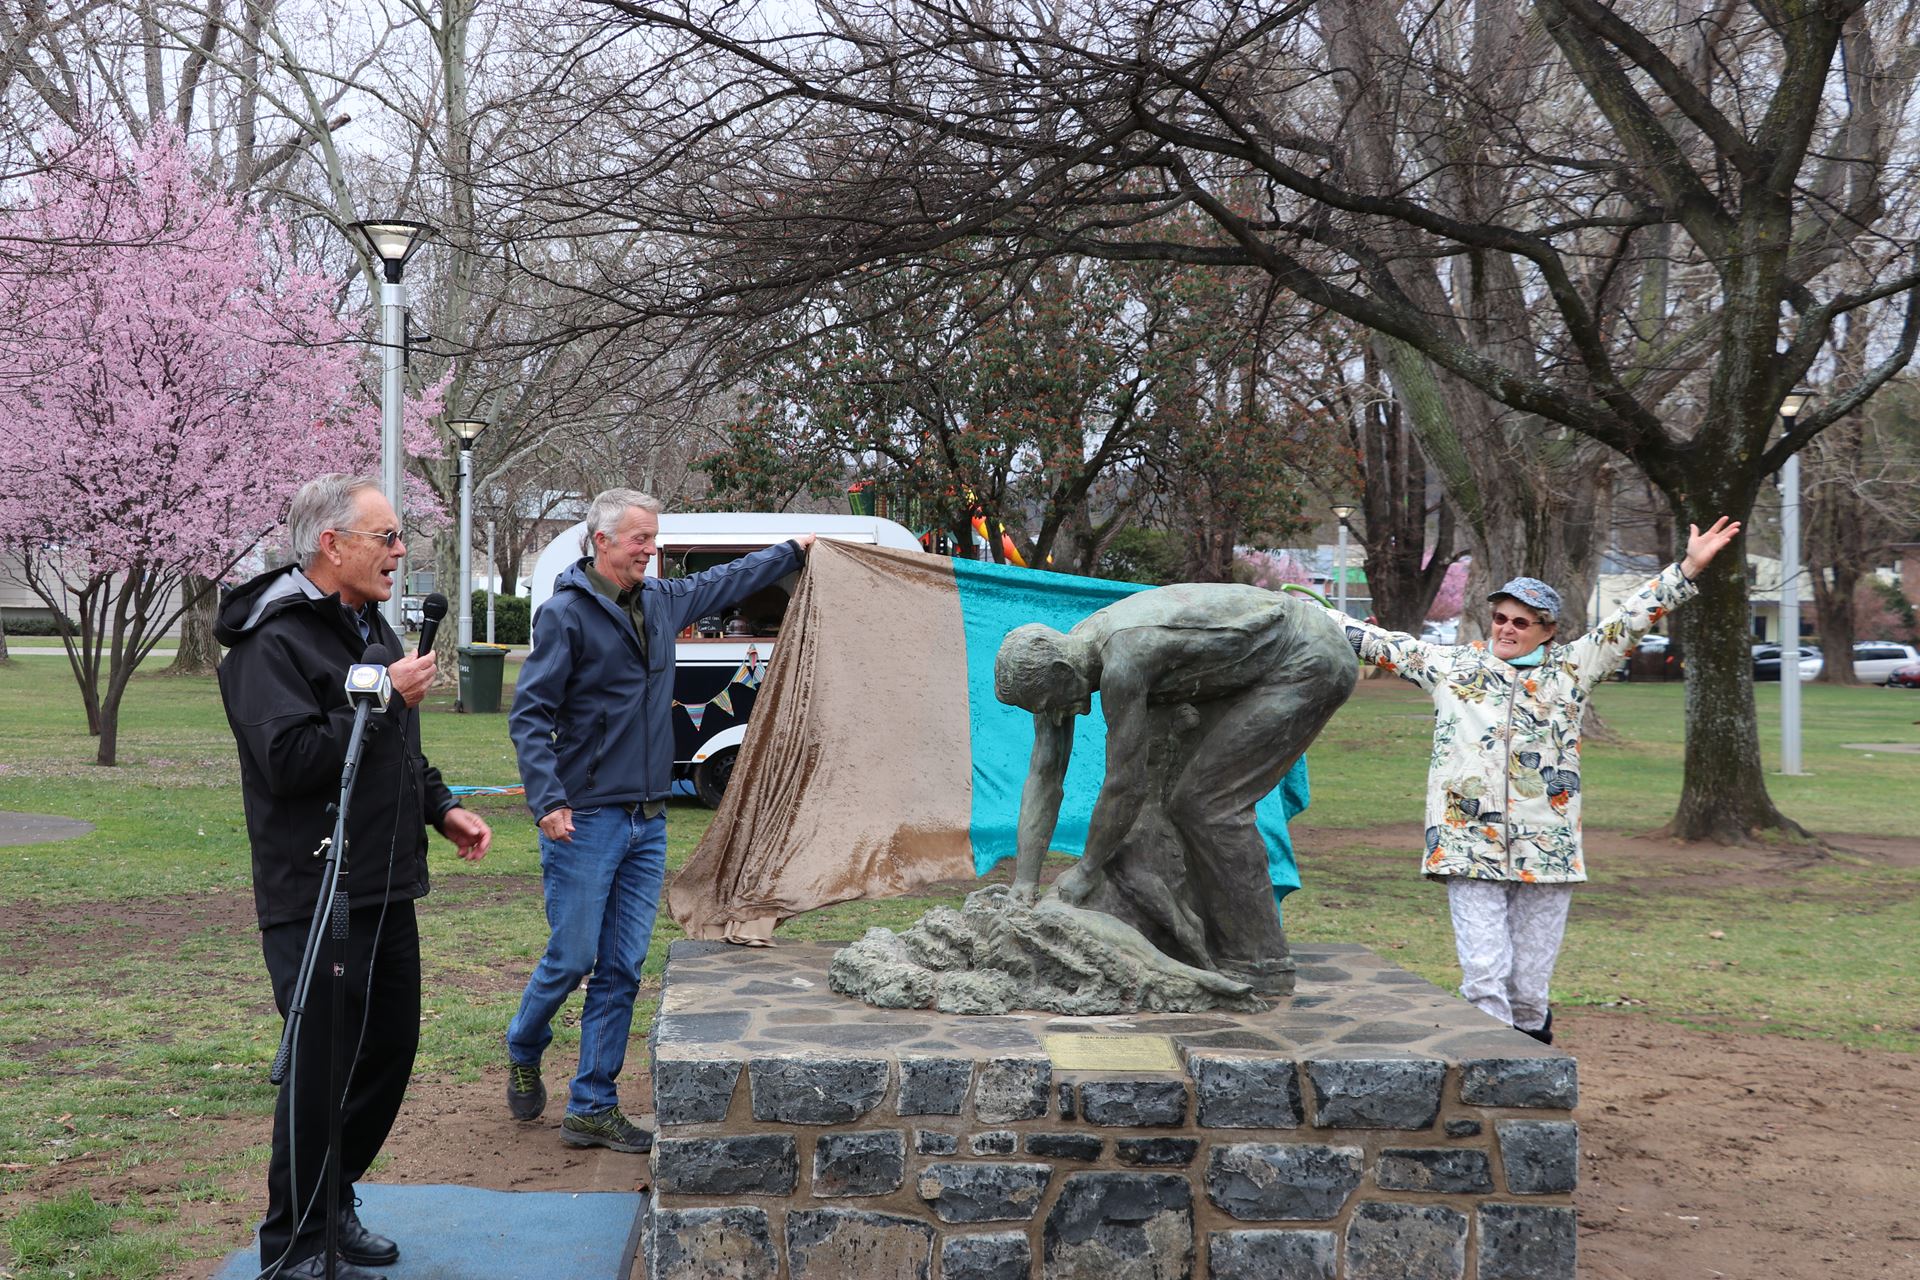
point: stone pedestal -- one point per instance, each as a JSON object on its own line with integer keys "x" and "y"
{"x": 1370, "y": 1128}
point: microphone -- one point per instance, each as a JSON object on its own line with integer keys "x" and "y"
{"x": 432, "y": 609}
{"x": 367, "y": 680}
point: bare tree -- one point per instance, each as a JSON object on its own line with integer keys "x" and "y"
{"x": 1666, "y": 195}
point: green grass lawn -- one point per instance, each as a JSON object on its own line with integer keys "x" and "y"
{"x": 138, "y": 1023}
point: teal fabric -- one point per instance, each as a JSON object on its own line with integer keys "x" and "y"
{"x": 994, "y": 599}
{"x": 1533, "y": 659}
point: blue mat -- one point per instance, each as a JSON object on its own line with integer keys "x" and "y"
{"x": 465, "y": 1233}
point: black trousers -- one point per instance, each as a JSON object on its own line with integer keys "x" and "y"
{"x": 391, "y": 1009}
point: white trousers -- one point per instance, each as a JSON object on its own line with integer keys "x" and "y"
{"x": 1508, "y": 936}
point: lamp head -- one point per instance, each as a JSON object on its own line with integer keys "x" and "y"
{"x": 393, "y": 241}
{"x": 467, "y": 430}
{"x": 1341, "y": 510}
{"x": 1792, "y": 403}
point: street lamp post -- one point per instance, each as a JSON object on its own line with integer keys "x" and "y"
{"x": 491, "y": 591}
{"x": 1340, "y": 512}
{"x": 1790, "y": 408}
{"x": 467, "y": 430}
{"x": 393, "y": 242}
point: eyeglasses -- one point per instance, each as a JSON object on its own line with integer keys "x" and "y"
{"x": 1518, "y": 624}
{"x": 390, "y": 537}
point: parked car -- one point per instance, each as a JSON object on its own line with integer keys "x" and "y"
{"x": 1907, "y": 677}
{"x": 1875, "y": 661}
{"x": 1766, "y": 661}
{"x": 1656, "y": 657}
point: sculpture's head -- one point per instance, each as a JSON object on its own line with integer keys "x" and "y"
{"x": 1040, "y": 669}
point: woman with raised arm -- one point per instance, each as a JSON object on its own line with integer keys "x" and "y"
{"x": 1503, "y": 788}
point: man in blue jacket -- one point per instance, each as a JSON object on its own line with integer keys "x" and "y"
{"x": 592, "y": 727}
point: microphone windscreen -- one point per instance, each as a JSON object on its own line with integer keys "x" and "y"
{"x": 377, "y": 655}
{"x": 434, "y": 607}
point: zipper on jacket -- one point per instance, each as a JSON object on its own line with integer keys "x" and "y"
{"x": 599, "y": 748}
{"x": 1506, "y": 778}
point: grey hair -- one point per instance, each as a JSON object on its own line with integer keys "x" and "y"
{"x": 323, "y": 503}
{"x": 609, "y": 508}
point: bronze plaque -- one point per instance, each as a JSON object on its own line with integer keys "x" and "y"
{"x": 1077, "y": 1052}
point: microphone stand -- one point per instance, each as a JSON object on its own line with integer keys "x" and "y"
{"x": 330, "y": 917}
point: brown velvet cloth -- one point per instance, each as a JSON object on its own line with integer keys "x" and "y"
{"x": 855, "y": 780}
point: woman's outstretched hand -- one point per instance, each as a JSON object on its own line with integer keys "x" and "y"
{"x": 1703, "y": 547}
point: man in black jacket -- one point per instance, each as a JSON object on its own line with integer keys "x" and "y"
{"x": 292, "y": 633}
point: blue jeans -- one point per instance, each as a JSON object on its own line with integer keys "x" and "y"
{"x": 602, "y": 890}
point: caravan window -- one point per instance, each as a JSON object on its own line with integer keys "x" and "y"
{"x": 760, "y": 614}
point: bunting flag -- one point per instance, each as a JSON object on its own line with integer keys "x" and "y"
{"x": 878, "y": 760}
{"x": 747, "y": 674}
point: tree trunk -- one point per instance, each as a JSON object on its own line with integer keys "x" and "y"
{"x": 1723, "y": 797}
{"x": 197, "y": 653}
{"x": 5, "y": 657}
{"x": 1833, "y": 608}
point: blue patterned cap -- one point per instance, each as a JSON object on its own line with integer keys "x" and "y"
{"x": 1533, "y": 593}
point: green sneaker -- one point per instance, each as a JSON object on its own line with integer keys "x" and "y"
{"x": 526, "y": 1095}
{"x": 607, "y": 1129}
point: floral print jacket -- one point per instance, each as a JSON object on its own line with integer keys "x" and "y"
{"x": 1503, "y": 786}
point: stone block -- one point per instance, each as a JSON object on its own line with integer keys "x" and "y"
{"x": 832, "y": 1244}
{"x": 1066, "y": 1101}
{"x": 1246, "y": 1093}
{"x": 711, "y": 1244}
{"x": 932, "y": 1142}
{"x": 964, "y": 1192}
{"x": 1135, "y": 1104}
{"x": 1376, "y": 1093}
{"x": 870, "y": 1163}
{"x": 1272, "y": 1255}
{"x": 1526, "y": 1242}
{"x": 1157, "y": 1152}
{"x": 997, "y": 1142}
{"x": 1520, "y": 1082}
{"x": 1406, "y": 1242}
{"x": 1447, "y": 1170}
{"x": 934, "y": 1086}
{"x": 1463, "y": 1128}
{"x": 1541, "y": 1157}
{"x": 815, "y": 1090}
{"x": 693, "y": 1091}
{"x": 1012, "y": 1089}
{"x": 762, "y": 1164}
{"x": 1118, "y": 1226}
{"x": 1004, "y": 1255}
{"x": 1256, "y": 1181}
{"x": 1065, "y": 1146}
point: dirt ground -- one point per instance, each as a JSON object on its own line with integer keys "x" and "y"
{"x": 1705, "y": 1154}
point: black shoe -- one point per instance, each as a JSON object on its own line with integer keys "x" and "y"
{"x": 360, "y": 1246}
{"x": 1543, "y": 1033}
{"x": 607, "y": 1129}
{"x": 315, "y": 1268}
{"x": 526, "y": 1094}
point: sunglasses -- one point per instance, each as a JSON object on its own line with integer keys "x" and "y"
{"x": 1518, "y": 624}
{"x": 389, "y": 537}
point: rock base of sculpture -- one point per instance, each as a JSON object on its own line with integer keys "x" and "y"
{"x": 1371, "y": 1128}
{"x": 994, "y": 956}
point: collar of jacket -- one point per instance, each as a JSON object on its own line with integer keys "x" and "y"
{"x": 574, "y": 578}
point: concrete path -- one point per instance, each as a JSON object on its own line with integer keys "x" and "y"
{"x": 466, "y": 1233}
{"x": 39, "y": 828}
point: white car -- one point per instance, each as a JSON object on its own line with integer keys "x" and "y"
{"x": 1875, "y": 661}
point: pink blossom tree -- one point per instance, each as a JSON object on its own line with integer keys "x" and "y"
{"x": 167, "y": 380}
{"x": 1451, "y": 598}
{"x": 1270, "y": 569}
